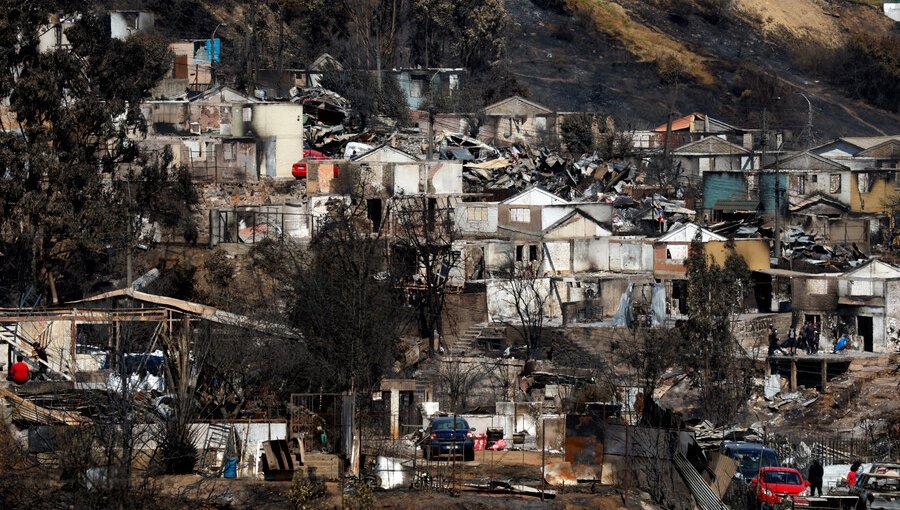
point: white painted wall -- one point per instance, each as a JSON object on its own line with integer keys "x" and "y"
{"x": 501, "y": 300}
{"x": 476, "y": 226}
{"x": 407, "y": 178}
{"x": 118, "y": 23}
{"x": 446, "y": 177}
{"x": 280, "y": 126}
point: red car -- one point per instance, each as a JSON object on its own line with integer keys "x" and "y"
{"x": 299, "y": 169}
{"x": 773, "y": 484}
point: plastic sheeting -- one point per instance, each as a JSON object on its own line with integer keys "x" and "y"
{"x": 624, "y": 316}
{"x": 658, "y": 304}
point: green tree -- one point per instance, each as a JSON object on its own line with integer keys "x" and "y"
{"x": 718, "y": 363}
{"x": 577, "y": 132}
{"x": 77, "y": 189}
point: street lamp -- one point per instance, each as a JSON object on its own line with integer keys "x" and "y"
{"x": 808, "y": 130}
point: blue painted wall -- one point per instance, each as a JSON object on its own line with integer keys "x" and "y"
{"x": 767, "y": 192}
{"x": 723, "y": 186}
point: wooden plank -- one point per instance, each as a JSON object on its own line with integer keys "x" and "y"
{"x": 32, "y": 412}
{"x": 793, "y": 375}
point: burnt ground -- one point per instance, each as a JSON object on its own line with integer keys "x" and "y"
{"x": 569, "y": 66}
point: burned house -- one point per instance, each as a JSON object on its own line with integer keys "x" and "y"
{"x": 688, "y": 129}
{"x": 863, "y": 302}
{"x": 516, "y": 120}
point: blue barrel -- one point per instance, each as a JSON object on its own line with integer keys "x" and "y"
{"x": 231, "y": 467}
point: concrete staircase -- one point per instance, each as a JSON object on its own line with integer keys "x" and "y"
{"x": 464, "y": 344}
{"x": 9, "y": 334}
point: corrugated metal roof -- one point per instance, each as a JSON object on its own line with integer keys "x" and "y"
{"x": 706, "y": 498}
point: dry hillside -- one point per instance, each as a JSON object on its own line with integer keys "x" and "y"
{"x": 639, "y": 58}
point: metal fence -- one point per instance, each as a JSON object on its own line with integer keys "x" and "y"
{"x": 252, "y": 225}
{"x": 800, "y": 450}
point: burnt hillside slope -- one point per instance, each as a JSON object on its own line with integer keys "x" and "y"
{"x": 588, "y": 55}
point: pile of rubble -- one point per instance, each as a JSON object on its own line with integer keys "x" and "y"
{"x": 811, "y": 248}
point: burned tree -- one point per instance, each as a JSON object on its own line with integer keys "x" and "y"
{"x": 339, "y": 294}
{"x": 423, "y": 257}
{"x": 526, "y": 294}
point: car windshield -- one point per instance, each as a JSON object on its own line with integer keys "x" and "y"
{"x": 747, "y": 459}
{"x": 785, "y": 477}
{"x": 448, "y": 424}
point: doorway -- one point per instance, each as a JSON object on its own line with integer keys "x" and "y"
{"x": 864, "y": 329}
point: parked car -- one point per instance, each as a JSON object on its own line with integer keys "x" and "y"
{"x": 750, "y": 457}
{"x": 299, "y": 169}
{"x": 877, "y": 491}
{"x": 774, "y": 484}
{"x": 450, "y": 436}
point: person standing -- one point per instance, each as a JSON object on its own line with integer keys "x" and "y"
{"x": 40, "y": 354}
{"x": 815, "y": 475}
{"x": 817, "y": 334}
{"x": 773, "y": 341}
{"x": 851, "y": 476}
{"x": 792, "y": 339}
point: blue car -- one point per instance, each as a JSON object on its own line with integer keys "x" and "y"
{"x": 450, "y": 436}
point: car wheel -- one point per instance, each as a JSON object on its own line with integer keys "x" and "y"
{"x": 469, "y": 454}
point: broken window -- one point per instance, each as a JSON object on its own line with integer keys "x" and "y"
{"x": 520, "y": 251}
{"x": 228, "y": 151}
{"x": 800, "y": 184}
{"x": 814, "y": 178}
{"x": 520, "y": 215}
{"x": 864, "y": 182}
{"x": 817, "y": 287}
{"x": 476, "y": 214}
{"x": 373, "y": 211}
{"x": 835, "y": 186}
{"x": 532, "y": 253}
{"x": 416, "y": 87}
{"x": 131, "y": 20}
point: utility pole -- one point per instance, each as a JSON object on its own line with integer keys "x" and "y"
{"x": 808, "y": 130}
{"x": 764, "y": 142}
{"x": 777, "y": 187}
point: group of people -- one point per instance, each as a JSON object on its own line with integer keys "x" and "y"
{"x": 20, "y": 372}
{"x": 805, "y": 338}
{"x": 816, "y": 473}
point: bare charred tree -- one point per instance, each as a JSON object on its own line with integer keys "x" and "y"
{"x": 456, "y": 379}
{"x": 643, "y": 355}
{"x": 375, "y": 26}
{"x": 339, "y": 294}
{"x": 527, "y": 294}
{"x": 423, "y": 257}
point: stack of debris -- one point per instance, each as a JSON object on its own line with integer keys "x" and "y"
{"x": 811, "y": 249}
{"x": 710, "y": 437}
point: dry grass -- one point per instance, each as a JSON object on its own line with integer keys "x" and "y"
{"x": 670, "y": 56}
